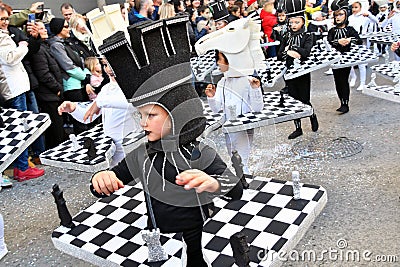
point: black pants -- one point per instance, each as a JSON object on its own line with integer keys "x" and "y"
{"x": 54, "y": 135}
{"x": 299, "y": 88}
{"x": 341, "y": 77}
{"x": 78, "y": 95}
{"x": 194, "y": 248}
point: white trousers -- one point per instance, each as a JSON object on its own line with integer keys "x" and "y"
{"x": 241, "y": 142}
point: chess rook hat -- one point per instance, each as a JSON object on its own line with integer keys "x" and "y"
{"x": 293, "y": 8}
{"x": 339, "y": 4}
{"x": 154, "y": 68}
{"x": 218, "y": 10}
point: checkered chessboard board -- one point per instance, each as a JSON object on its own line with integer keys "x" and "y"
{"x": 108, "y": 233}
{"x": 271, "y": 113}
{"x": 385, "y": 39}
{"x": 319, "y": 58}
{"x": 358, "y": 54}
{"x": 64, "y": 156}
{"x": 390, "y": 70}
{"x": 203, "y": 65}
{"x": 14, "y": 138}
{"x": 380, "y": 34}
{"x": 386, "y": 92}
{"x": 273, "y": 71}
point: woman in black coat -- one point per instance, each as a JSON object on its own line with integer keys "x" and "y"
{"x": 48, "y": 93}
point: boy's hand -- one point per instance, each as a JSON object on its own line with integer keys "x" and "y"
{"x": 210, "y": 90}
{"x": 294, "y": 54}
{"x": 344, "y": 41}
{"x": 94, "y": 109}
{"x": 394, "y": 46}
{"x": 254, "y": 82}
{"x": 106, "y": 182}
{"x": 66, "y": 106}
{"x": 198, "y": 180}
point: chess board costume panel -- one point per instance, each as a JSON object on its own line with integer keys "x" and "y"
{"x": 390, "y": 70}
{"x": 271, "y": 113}
{"x": 320, "y": 57}
{"x": 358, "y": 54}
{"x": 65, "y": 156}
{"x": 387, "y": 39}
{"x": 16, "y": 136}
{"x": 108, "y": 233}
{"x": 386, "y": 92}
{"x": 205, "y": 64}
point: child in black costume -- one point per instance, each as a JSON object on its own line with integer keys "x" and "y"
{"x": 297, "y": 44}
{"x": 341, "y": 37}
{"x": 181, "y": 175}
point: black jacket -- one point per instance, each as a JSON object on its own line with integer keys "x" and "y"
{"x": 301, "y": 42}
{"x": 48, "y": 73}
{"x": 80, "y": 47}
{"x": 335, "y": 34}
{"x": 175, "y": 208}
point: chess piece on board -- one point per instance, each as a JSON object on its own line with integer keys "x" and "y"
{"x": 281, "y": 100}
{"x": 156, "y": 251}
{"x": 397, "y": 85}
{"x": 75, "y": 144}
{"x": 2, "y": 125}
{"x": 372, "y": 83}
{"x": 240, "y": 249}
{"x": 25, "y": 125}
{"x": 63, "y": 213}
{"x": 89, "y": 144}
{"x": 386, "y": 57}
{"x": 296, "y": 63}
{"x": 238, "y": 166}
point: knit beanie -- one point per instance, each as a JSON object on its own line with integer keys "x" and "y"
{"x": 56, "y": 25}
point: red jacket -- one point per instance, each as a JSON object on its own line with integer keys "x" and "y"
{"x": 268, "y": 22}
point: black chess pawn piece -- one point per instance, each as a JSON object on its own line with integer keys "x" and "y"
{"x": 269, "y": 76}
{"x": 240, "y": 249}
{"x": 2, "y": 125}
{"x": 88, "y": 143}
{"x": 281, "y": 100}
{"x": 63, "y": 213}
{"x": 238, "y": 166}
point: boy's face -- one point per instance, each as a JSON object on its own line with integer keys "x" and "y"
{"x": 281, "y": 17}
{"x": 340, "y": 16}
{"x": 356, "y": 8}
{"x": 296, "y": 24}
{"x": 220, "y": 24}
{"x": 155, "y": 121}
{"x": 222, "y": 64}
{"x": 382, "y": 8}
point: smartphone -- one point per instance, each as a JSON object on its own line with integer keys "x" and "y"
{"x": 31, "y": 17}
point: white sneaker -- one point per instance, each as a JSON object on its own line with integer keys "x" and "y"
{"x": 352, "y": 82}
{"x": 3, "y": 252}
{"x": 5, "y": 181}
{"x": 361, "y": 87}
{"x": 329, "y": 71}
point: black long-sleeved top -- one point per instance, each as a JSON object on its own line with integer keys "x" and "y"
{"x": 301, "y": 42}
{"x": 335, "y": 34}
{"x": 175, "y": 208}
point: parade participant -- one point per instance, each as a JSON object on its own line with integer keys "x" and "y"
{"x": 360, "y": 21}
{"x": 381, "y": 16}
{"x": 341, "y": 37}
{"x": 179, "y": 174}
{"x": 297, "y": 44}
{"x": 394, "y": 19}
{"x": 3, "y": 247}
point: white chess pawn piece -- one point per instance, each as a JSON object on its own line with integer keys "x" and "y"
{"x": 75, "y": 144}
{"x": 396, "y": 80}
{"x": 386, "y": 57}
{"x": 25, "y": 125}
{"x": 372, "y": 83}
{"x": 296, "y": 63}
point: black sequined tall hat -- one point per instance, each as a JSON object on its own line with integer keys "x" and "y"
{"x": 293, "y": 8}
{"x": 154, "y": 68}
{"x": 219, "y": 10}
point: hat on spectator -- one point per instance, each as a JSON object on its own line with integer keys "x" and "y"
{"x": 56, "y": 25}
{"x": 250, "y": 2}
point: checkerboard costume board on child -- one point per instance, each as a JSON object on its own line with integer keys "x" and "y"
{"x": 20, "y": 129}
{"x": 108, "y": 232}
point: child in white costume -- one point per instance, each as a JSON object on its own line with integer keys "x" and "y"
{"x": 242, "y": 93}
{"x": 117, "y": 115}
{"x": 394, "y": 19}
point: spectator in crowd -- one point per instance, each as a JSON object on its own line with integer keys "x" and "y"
{"x": 310, "y": 8}
{"x": 268, "y": 21}
{"x": 97, "y": 80}
{"x": 21, "y": 17}
{"x": 235, "y": 11}
{"x": 124, "y": 12}
{"x": 80, "y": 40}
{"x": 67, "y": 10}
{"x": 144, "y": 12}
{"x": 156, "y": 5}
{"x": 166, "y": 11}
{"x": 14, "y": 89}
{"x": 50, "y": 88}
{"x": 204, "y": 22}
{"x": 71, "y": 65}
{"x": 252, "y": 6}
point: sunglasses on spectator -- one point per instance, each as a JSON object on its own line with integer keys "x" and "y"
{"x": 4, "y": 19}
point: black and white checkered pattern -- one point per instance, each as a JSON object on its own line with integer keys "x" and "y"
{"x": 203, "y": 65}
{"x": 273, "y": 71}
{"x": 358, "y": 54}
{"x": 385, "y": 38}
{"x": 64, "y": 156}
{"x": 319, "y": 58}
{"x": 390, "y": 70}
{"x": 386, "y": 92}
{"x": 14, "y": 139}
{"x": 271, "y": 113}
{"x": 109, "y": 232}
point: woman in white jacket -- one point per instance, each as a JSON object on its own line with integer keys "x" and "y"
{"x": 117, "y": 114}
{"x": 360, "y": 20}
